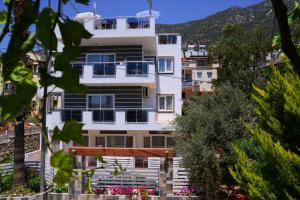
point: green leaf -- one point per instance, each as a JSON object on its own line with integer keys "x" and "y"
{"x": 116, "y": 171}
{"x": 295, "y": 14}
{"x": 72, "y": 32}
{"x": 100, "y": 159}
{"x": 85, "y": 2}
{"x": 276, "y": 41}
{"x": 72, "y": 131}
{"x": 63, "y": 163}
{"x": 3, "y": 17}
{"x": 22, "y": 79}
{"x": 44, "y": 26}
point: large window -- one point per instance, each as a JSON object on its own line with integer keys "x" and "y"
{"x": 103, "y": 64}
{"x": 166, "y": 65}
{"x": 102, "y": 107}
{"x": 199, "y": 76}
{"x": 120, "y": 141}
{"x": 167, "y": 39}
{"x": 165, "y": 103}
{"x": 209, "y": 76}
{"x": 100, "y": 141}
{"x": 158, "y": 141}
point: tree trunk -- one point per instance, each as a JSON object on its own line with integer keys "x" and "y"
{"x": 19, "y": 179}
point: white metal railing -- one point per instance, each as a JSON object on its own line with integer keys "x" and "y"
{"x": 130, "y": 178}
{"x": 68, "y": 114}
{"x": 7, "y": 168}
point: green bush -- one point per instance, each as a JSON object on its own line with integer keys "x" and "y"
{"x": 5, "y": 181}
{"x": 34, "y": 184}
{"x": 60, "y": 189}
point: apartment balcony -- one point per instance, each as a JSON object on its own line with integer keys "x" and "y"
{"x": 112, "y": 73}
{"x": 121, "y": 27}
{"x": 109, "y": 119}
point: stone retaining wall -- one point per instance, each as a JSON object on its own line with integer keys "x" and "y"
{"x": 32, "y": 143}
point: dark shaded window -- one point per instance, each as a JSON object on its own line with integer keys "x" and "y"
{"x": 141, "y": 162}
{"x": 158, "y": 141}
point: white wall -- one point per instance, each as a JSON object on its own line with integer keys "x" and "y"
{"x": 171, "y": 83}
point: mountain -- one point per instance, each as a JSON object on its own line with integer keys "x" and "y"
{"x": 207, "y": 30}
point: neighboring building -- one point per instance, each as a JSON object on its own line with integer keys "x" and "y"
{"x": 33, "y": 61}
{"x": 197, "y": 72}
{"x": 134, "y": 87}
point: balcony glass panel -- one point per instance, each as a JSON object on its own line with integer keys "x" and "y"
{"x": 103, "y": 115}
{"x": 105, "y": 24}
{"x": 136, "y": 23}
{"x": 136, "y": 116}
{"x": 137, "y": 69}
{"x": 71, "y": 114}
{"x": 167, "y": 39}
{"x": 105, "y": 69}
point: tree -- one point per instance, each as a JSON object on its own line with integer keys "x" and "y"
{"x": 18, "y": 17}
{"x": 274, "y": 174}
{"x": 205, "y": 134}
{"x": 283, "y": 18}
{"x": 240, "y": 55}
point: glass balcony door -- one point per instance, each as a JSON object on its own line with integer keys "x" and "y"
{"x": 137, "y": 69}
{"x": 102, "y": 107}
{"x": 103, "y": 64}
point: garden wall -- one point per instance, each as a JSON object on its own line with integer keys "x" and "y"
{"x": 32, "y": 143}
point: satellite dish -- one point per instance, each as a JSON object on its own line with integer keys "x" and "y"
{"x": 146, "y": 13}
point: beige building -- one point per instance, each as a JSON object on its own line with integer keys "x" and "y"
{"x": 197, "y": 71}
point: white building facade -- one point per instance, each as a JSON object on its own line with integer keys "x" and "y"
{"x": 134, "y": 85}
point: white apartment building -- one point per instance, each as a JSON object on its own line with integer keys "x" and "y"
{"x": 197, "y": 71}
{"x": 134, "y": 86}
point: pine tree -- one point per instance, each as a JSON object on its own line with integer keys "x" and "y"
{"x": 275, "y": 174}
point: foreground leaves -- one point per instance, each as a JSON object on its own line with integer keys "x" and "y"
{"x": 62, "y": 162}
{"x": 70, "y": 132}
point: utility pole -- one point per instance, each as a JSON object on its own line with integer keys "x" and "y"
{"x": 44, "y": 135}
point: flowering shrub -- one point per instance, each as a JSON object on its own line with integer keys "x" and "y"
{"x": 135, "y": 192}
{"x": 186, "y": 191}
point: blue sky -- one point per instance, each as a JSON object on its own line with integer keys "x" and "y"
{"x": 172, "y": 11}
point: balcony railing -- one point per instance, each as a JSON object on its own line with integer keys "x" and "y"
{"x": 138, "y": 23}
{"x": 105, "y": 24}
{"x": 105, "y": 69}
{"x": 103, "y": 115}
{"x": 137, "y": 68}
{"x": 71, "y": 114}
{"x": 136, "y": 115}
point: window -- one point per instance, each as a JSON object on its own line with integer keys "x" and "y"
{"x": 209, "y": 76}
{"x": 165, "y": 103}
{"x": 102, "y": 107}
{"x": 120, "y": 141}
{"x": 145, "y": 92}
{"x": 167, "y": 39}
{"x": 105, "y": 24}
{"x": 166, "y": 65}
{"x": 147, "y": 142}
{"x": 100, "y": 141}
{"x": 141, "y": 162}
{"x": 103, "y": 64}
{"x": 158, "y": 141}
{"x": 199, "y": 75}
{"x": 115, "y": 141}
{"x": 136, "y": 23}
